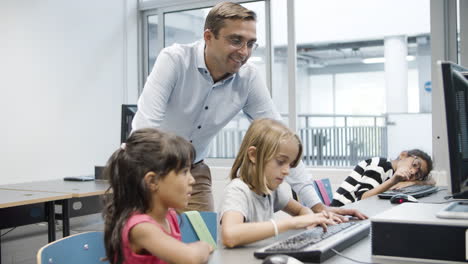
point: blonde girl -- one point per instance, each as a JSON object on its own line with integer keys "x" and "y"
{"x": 267, "y": 153}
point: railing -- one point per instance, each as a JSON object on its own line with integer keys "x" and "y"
{"x": 328, "y": 140}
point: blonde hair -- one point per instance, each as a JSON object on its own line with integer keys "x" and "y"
{"x": 266, "y": 136}
{"x": 226, "y": 10}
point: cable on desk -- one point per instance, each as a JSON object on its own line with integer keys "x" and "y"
{"x": 348, "y": 258}
{"x": 8, "y": 231}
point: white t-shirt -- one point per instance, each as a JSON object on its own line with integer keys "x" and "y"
{"x": 255, "y": 208}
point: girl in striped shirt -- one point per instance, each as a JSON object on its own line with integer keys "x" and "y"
{"x": 376, "y": 175}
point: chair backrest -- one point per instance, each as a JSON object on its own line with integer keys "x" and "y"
{"x": 85, "y": 247}
{"x": 324, "y": 190}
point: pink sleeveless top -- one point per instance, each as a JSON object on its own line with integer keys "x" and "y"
{"x": 134, "y": 258}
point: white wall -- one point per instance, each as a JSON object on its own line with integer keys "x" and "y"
{"x": 409, "y": 131}
{"x": 65, "y": 69}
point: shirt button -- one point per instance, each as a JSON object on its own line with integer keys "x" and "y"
{"x": 206, "y": 107}
{"x": 199, "y": 127}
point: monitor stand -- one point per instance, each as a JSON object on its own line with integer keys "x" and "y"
{"x": 461, "y": 195}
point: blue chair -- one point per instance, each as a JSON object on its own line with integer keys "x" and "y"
{"x": 81, "y": 248}
{"x": 188, "y": 232}
{"x": 324, "y": 190}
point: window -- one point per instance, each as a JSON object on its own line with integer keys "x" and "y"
{"x": 334, "y": 87}
{"x": 356, "y": 71}
{"x": 152, "y": 22}
{"x": 184, "y": 27}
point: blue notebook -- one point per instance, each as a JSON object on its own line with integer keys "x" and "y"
{"x": 188, "y": 232}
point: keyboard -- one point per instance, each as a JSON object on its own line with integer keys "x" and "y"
{"x": 314, "y": 245}
{"x": 79, "y": 178}
{"x": 416, "y": 191}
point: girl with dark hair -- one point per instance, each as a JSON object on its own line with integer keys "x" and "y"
{"x": 149, "y": 175}
{"x": 377, "y": 175}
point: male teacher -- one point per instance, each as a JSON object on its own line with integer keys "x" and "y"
{"x": 194, "y": 90}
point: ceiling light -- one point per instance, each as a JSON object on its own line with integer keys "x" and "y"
{"x": 373, "y": 60}
{"x": 382, "y": 59}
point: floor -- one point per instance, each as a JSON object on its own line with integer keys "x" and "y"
{"x": 21, "y": 244}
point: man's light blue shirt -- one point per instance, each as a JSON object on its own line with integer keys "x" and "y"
{"x": 180, "y": 96}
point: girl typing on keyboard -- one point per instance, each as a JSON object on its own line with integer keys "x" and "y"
{"x": 267, "y": 153}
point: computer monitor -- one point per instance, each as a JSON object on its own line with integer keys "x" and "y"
{"x": 128, "y": 112}
{"x": 455, "y": 87}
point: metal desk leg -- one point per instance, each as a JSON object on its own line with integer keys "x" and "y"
{"x": 50, "y": 209}
{"x": 66, "y": 217}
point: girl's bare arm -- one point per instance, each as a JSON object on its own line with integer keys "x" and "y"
{"x": 151, "y": 238}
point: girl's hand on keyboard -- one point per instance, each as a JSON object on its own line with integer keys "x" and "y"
{"x": 311, "y": 220}
{"x": 335, "y": 217}
{"x": 343, "y": 212}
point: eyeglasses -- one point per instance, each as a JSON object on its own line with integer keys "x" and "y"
{"x": 237, "y": 43}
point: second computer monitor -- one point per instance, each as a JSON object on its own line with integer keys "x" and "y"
{"x": 128, "y": 112}
{"x": 455, "y": 84}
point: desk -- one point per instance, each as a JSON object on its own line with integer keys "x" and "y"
{"x": 77, "y": 189}
{"x": 360, "y": 251}
{"x": 19, "y": 208}
{"x": 86, "y": 192}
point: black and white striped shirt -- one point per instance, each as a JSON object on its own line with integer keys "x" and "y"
{"x": 367, "y": 175}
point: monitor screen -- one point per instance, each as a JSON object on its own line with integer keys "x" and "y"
{"x": 128, "y": 112}
{"x": 455, "y": 84}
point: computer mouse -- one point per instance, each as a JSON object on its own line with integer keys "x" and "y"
{"x": 281, "y": 259}
{"x": 402, "y": 198}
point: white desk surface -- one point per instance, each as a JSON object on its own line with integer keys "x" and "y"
{"x": 75, "y": 188}
{"x": 11, "y": 198}
{"x": 360, "y": 251}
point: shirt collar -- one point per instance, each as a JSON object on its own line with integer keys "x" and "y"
{"x": 201, "y": 65}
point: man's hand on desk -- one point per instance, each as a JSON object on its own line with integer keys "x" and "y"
{"x": 339, "y": 212}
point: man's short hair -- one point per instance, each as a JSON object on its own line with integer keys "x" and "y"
{"x": 226, "y": 10}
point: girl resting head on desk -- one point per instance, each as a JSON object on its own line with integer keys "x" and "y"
{"x": 267, "y": 153}
{"x": 376, "y": 175}
{"x": 149, "y": 175}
